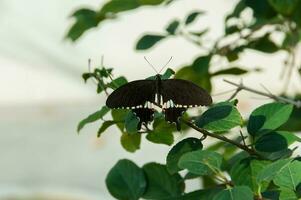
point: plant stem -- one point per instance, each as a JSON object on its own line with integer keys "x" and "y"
{"x": 221, "y": 137}
{"x": 270, "y": 95}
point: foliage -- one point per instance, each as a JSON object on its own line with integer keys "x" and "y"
{"x": 254, "y": 158}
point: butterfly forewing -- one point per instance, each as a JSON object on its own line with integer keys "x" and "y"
{"x": 132, "y": 95}
{"x": 184, "y": 93}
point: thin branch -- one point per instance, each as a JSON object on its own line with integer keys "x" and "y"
{"x": 270, "y": 95}
{"x": 221, "y": 137}
{"x": 243, "y": 138}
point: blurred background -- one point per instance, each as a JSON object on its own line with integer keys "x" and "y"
{"x": 43, "y": 96}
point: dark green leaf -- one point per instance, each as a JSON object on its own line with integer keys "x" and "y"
{"x": 192, "y": 16}
{"x": 131, "y": 123}
{"x": 93, "y": 117}
{"x": 104, "y": 127}
{"x": 199, "y": 33}
{"x": 235, "y": 193}
{"x": 271, "y": 142}
{"x": 184, "y": 146}
{"x": 268, "y": 117}
{"x": 231, "y": 29}
{"x": 264, "y": 44}
{"x": 131, "y": 142}
{"x": 167, "y": 74}
{"x": 202, "y": 162}
{"x": 293, "y": 123}
{"x": 126, "y": 181}
{"x": 262, "y": 10}
{"x": 245, "y": 171}
{"x": 172, "y": 27}
{"x": 201, "y": 64}
{"x": 290, "y": 176}
{"x": 151, "y": 2}
{"x": 289, "y": 137}
{"x": 220, "y": 117}
{"x": 207, "y": 194}
{"x": 85, "y": 19}
{"x": 240, "y": 6}
{"x": 115, "y": 6}
{"x": 230, "y": 71}
{"x": 161, "y": 185}
{"x": 147, "y": 41}
{"x": 284, "y": 7}
{"x": 86, "y": 76}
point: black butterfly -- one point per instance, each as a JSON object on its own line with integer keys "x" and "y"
{"x": 173, "y": 95}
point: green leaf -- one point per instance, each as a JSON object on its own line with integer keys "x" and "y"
{"x": 268, "y": 117}
{"x": 230, "y": 71}
{"x": 287, "y": 194}
{"x": 93, "y": 117}
{"x": 85, "y": 19}
{"x": 262, "y": 10}
{"x": 192, "y": 16}
{"x": 161, "y": 133}
{"x": 290, "y": 176}
{"x": 161, "y": 185}
{"x": 182, "y": 147}
{"x": 119, "y": 116}
{"x": 232, "y": 29}
{"x": 235, "y": 193}
{"x": 199, "y": 33}
{"x": 264, "y": 44}
{"x": 131, "y": 123}
{"x": 220, "y": 117}
{"x": 270, "y": 171}
{"x": 131, "y": 142}
{"x": 202, "y": 162}
{"x": 166, "y": 75}
{"x": 188, "y": 73}
{"x": 151, "y": 2}
{"x": 104, "y": 127}
{"x": 207, "y": 194}
{"x": 201, "y": 64}
{"x": 126, "y": 181}
{"x": 245, "y": 171}
{"x": 284, "y": 7}
{"x": 116, "y": 83}
{"x": 147, "y": 41}
{"x": 116, "y": 6}
{"x": 271, "y": 142}
{"x": 172, "y": 27}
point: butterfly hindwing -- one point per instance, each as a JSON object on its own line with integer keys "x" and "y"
{"x": 144, "y": 115}
{"x": 132, "y": 95}
{"x": 173, "y": 115}
{"x": 184, "y": 93}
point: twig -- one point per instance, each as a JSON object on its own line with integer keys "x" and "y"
{"x": 270, "y": 95}
{"x": 221, "y": 137}
{"x": 243, "y": 138}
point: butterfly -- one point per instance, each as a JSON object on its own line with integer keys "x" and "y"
{"x": 174, "y": 96}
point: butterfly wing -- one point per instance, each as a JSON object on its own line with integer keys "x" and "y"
{"x": 132, "y": 95}
{"x": 180, "y": 94}
{"x": 184, "y": 93}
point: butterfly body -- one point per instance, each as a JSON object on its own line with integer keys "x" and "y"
{"x": 174, "y": 96}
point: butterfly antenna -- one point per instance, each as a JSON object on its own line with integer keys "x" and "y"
{"x": 165, "y": 64}
{"x": 151, "y": 65}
